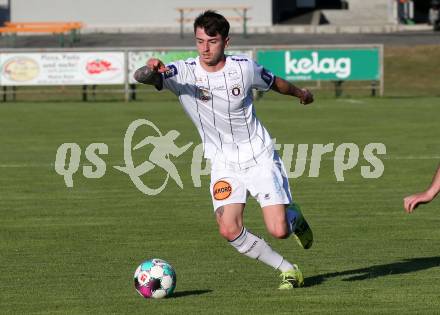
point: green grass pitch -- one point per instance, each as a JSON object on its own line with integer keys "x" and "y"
{"x": 74, "y": 250}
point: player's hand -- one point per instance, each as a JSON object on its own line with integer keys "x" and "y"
{"x": 411, "y": 202}
{"x": 306, "y": 97}
{"x": 156, "y": 65}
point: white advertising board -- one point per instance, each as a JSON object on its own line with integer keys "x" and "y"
{"x": 62, "y": 68}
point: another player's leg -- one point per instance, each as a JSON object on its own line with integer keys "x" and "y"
{"x": 275, "y": 220}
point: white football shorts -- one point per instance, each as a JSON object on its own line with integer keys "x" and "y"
{"x": 267, "y": 182}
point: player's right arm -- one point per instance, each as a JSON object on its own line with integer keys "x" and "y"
{"x": 151, "y": 73}
{"x": 411, "y": 202}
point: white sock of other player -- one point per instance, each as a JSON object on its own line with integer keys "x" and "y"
{"x": 255, "y": 247}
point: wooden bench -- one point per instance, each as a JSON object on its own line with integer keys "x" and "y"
{"x": 58, "y": 28}
{"x": 240, "y": 11}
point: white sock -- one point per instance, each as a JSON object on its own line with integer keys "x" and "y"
{"x": 285, "y": 266}
{"x": 291, "y": 218}
{"x": 254, "y": 247}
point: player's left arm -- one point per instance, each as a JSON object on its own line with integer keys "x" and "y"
{"x": 284, "y": 87}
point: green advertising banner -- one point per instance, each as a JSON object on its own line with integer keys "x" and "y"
{"x": 137, "y": 59}
{"x": 323, "y": 64}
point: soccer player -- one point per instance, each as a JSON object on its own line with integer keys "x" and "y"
{"x": 411, "y": 202}
{"x": 216, "y": 92}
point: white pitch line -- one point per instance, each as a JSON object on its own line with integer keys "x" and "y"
{"x": 22, "y": 165}
{"x": 434, "y": 157}
{"x": 422, "y": 157}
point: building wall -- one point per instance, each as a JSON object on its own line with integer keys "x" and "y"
{"x": 129, "y": 13}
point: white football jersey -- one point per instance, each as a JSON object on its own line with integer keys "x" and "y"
{"x": 220, "y": 104}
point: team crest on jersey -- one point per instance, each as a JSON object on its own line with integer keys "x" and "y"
{"x": 203, "y": 94}
{"x": 236, "y": 90}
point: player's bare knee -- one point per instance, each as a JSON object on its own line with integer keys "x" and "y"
{"x": 279, "y": 231}
{"x": 229, "y": 231}
{"x": 277, "y": 227}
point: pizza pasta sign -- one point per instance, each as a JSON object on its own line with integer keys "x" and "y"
{"x": 62, "y": 68}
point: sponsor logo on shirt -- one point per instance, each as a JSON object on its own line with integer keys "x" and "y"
{"x": 221, "y": 190}
{"x": 219, "y": 88}
{"x": 233, "y": 74}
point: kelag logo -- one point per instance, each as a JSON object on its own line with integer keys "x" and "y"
{"x": 340, "y": 67}
{"x": 323, "y": 64}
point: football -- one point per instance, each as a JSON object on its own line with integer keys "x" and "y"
{"x": 155, "y": 278}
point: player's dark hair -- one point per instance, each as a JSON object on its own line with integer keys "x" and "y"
{"x": 213, "y": 24}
